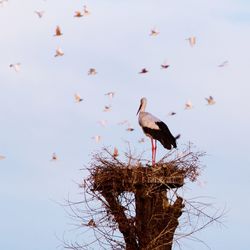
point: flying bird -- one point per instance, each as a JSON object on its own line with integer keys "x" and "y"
{"x": 171, "y": 113}
{"x": 143, "y": 71}
{"x": 164, "y": 66}
{"x": 123, "y": 122}
{"x": 83, "y": 184}
{"x": 155, "y": 129}
{"x": 97, "y": 138}
{"x": 154, "y": 32}
{"x": 59, "y": 52}
{"x": 86, "y": 12}
{"x": 39, "y": 13}
{"x": 78, "y": 98}
{"x": 103, "y": 123}
{"x": 210, "y": 100}
{"x": 142, "y": 140}
{"x": 58, "y": 31}
{"x": 78, "y": 14}
{"x": 92, "y": 71}
{"x": 16, "y": 66}
{"x": 107, "y": 108}
{"x": 191, "y": 40}
{"x": 116, "y": 152}
{"x": 2, "y": 2}
{"x": 2, "y": 157}
{"x": 223, "y": 64}
{"x": 54, "y": 157}
{"x": 110, "y": 94}
{"x": 130, "y": 129}
{"x": 91, "y": 223}
{"x": 188, "y": 105}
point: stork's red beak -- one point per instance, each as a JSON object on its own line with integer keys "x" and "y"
{"x": 138, "y": 110}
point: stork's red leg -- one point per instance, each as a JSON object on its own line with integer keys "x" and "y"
{"x": 155, "y": 147}
{"x": 153, "y": 152}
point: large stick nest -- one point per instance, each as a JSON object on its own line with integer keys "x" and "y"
{"x": 109, "y": 173}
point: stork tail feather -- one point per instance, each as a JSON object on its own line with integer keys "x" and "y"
{"x": 177, "y": 137}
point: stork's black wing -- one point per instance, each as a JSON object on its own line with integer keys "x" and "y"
{"x": 163, "y": 135}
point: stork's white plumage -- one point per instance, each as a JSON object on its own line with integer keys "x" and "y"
{"x": 155, "y": 129}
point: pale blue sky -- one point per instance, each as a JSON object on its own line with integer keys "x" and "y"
{"x": 39, "y": 115}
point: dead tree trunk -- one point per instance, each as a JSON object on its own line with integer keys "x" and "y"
{"x": 156, "y": 218}
{"x": 126, "y": 226}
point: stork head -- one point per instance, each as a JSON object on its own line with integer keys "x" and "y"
{"x": 143, "y": 104}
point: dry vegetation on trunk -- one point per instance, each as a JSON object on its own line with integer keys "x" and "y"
{"x": 130, "y": 205}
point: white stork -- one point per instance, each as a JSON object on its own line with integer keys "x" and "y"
{"x": 155, "y": 129}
